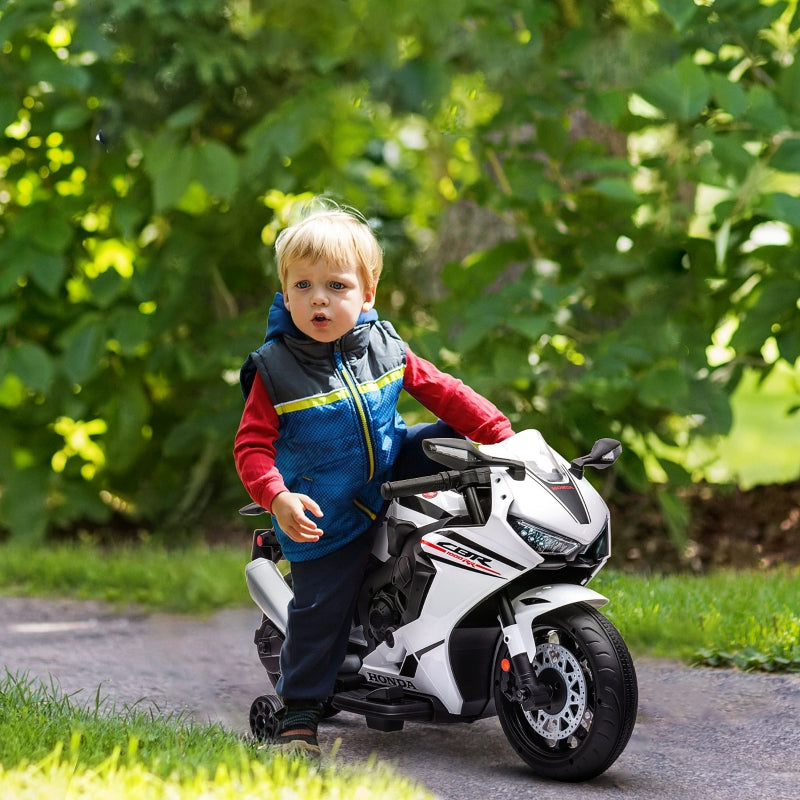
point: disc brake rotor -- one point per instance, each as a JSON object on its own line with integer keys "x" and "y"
{"x": 559, "y": 668}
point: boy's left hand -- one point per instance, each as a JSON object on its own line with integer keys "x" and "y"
{"x": 289, "y": 509}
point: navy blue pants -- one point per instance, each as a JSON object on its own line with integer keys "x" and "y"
{"x": 326, "y": 590}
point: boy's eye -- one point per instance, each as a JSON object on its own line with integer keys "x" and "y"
{"x": 302, "y": 284}
{"x": 337, "y": 285}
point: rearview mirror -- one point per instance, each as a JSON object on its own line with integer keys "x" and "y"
{"x": 603, "y": 454}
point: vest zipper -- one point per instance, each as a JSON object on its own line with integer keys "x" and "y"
{"x": 362, "y": 414}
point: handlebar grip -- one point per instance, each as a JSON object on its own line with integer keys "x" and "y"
{"x": 440, "y": 482}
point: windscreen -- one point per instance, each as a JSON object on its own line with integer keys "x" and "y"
{"x": 529, "y": 446}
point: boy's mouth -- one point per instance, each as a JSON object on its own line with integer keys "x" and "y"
{"x": 319, "y": 319}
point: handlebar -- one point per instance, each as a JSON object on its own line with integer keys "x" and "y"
{"x": 440, "y": 482}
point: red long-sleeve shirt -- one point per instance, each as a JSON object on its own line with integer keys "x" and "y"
{"x": 448, "y": 398}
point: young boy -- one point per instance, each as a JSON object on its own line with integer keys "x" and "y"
{"x": 321, "y": 432}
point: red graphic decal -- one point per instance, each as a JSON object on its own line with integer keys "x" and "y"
{"x": 460, "y": 554}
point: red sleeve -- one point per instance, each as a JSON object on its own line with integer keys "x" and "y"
{"x": 254, "y": 447}
{"x": 455, "y": 403}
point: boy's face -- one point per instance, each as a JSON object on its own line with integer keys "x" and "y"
{"x": 325, "y": 300}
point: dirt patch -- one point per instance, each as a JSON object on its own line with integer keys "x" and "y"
{"x": 728, "y": 527}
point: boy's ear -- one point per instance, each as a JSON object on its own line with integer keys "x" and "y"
{"x": 369, "y": 298}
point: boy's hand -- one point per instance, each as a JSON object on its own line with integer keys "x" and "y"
{"x": 289, "y": 509}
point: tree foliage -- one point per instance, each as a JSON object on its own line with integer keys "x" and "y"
{"x": 589, "y": 213}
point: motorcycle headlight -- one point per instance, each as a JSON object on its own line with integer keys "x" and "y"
{"x": 544, "y": 542}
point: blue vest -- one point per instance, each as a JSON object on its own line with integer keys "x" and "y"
{"x": 340, "y": 431}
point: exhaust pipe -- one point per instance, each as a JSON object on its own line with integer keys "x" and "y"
{"x": 269, "y": 591}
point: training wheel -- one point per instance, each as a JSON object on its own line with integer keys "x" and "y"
{"x": 262, "y": 717}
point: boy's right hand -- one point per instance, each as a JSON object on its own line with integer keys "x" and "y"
{"x": 289, "y": 509}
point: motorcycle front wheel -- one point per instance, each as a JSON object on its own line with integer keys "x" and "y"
{"x": 585, "y": 663}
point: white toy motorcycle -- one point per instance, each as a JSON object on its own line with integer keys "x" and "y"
{"x": 475, "y": 604}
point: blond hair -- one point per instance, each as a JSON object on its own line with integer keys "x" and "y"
{"x": 339, "y": 237}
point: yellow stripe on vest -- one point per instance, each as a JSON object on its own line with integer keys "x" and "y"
{"x": 384, "y": 380}
{"x": 339, "y": 394}
{"x": 312, "y": 402}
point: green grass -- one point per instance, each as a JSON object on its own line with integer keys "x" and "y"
{"x": 748, "y": 620}
{"x": 52, "y": 747}
{"x": 196, "y": 580}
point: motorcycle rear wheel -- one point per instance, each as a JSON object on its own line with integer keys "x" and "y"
{"x": 268, "y": 640}
{"x": 587, "y": 665}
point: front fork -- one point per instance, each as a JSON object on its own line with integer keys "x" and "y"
{"x": 521, "y": 684}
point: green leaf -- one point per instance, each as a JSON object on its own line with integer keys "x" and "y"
{"x": 526, "y": 178}
{"x": 732, "y": 158}
{"x": 470, "y": 277}
{"x": 128, "y": 215}
{"x": 168, "y": 162}
{"x": 47, "y": 270}
{"x": 617, "y": 189}
{"x": 84, "y": 347}
{"x": 679, "y": 12}
{"x": 9, "y": 313}
{"x": 106, "y": 287}
{"x": 730, "y": 96}
{"x": 130, "y": 328}
{"x": 607, "y": 105}
{"x": 783, "y": 207}
{"x": 713, "y": 403}
{"x": 33, "y": 365}
{"x": 663, "y": 387}
{"x": 185, "y": 117}
{"x": 532, "y": 326}
{"x": 23, "y": 503}
{"x": 44, "y": 227}
{"x": 788, "y": 90}
{"x": 789, "y": 344}
{"x": 681, "y": 91}
{"x": 127, "y": 413}
{"x": 763, "y": 111}
{"x": 172, "y": 180}
{"x": 787, "y": 157}
{"x": 9, "y": 108}
{"x": 71, "y": 117}
{"x": 12, "y": 270}
{"x": 217, "y": 168}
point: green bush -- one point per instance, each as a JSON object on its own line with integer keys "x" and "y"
{"x": 588, "y": 211}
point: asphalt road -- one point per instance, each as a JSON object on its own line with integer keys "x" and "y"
{"x": 701, "y": 733}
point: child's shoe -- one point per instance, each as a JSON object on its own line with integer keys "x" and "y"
{"x": 297, "y": 730}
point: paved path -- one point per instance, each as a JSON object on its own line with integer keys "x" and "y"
{"x": 701, "y": 733}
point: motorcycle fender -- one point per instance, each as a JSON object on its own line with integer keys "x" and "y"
{"x": 537, "y": 602}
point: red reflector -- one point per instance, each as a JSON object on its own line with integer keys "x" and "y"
{"x": 259, "y": 540}
{"x": 505, "y": 665}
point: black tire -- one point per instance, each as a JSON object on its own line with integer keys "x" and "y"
{"x": 582, "y": 656}
{"x": 263, "y": 724}
{"x": 268, "y": 641}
